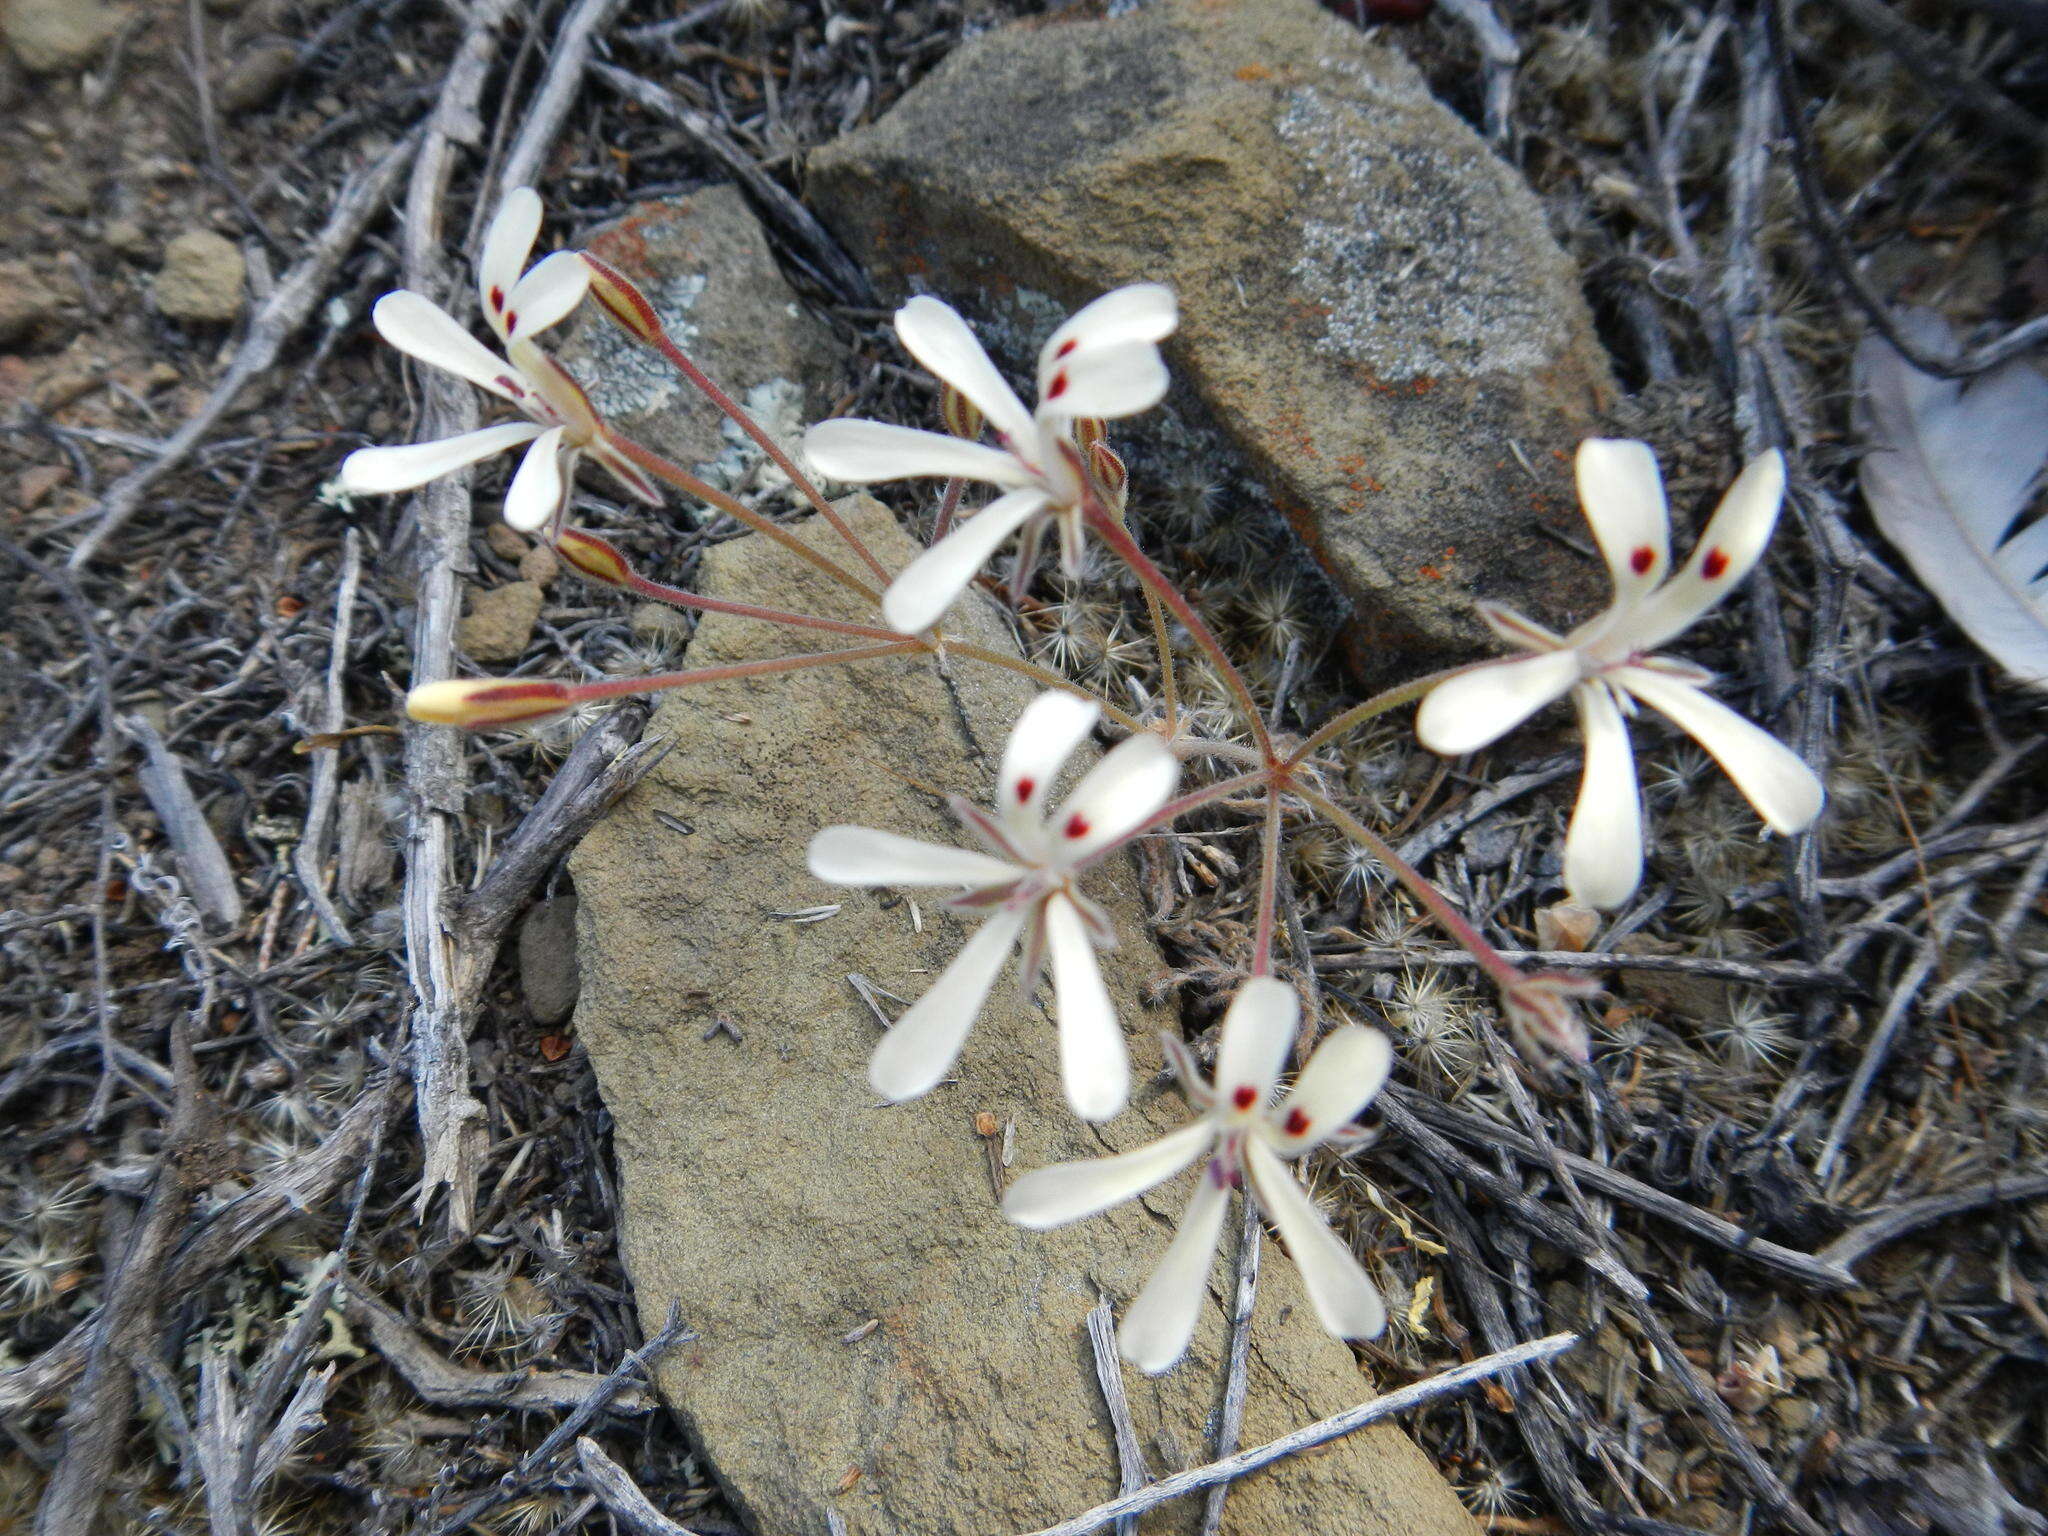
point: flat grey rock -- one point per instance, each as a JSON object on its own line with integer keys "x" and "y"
{"x": 875, "y": 1339}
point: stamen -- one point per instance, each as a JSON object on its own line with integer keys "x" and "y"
{"x": 1297, "y": 1122}
{"x": 1715, "y": 563}
{"x": 1244, "y": 1096}
{"x": 1643, "y": 558}
{"x": 1077, "y": 825}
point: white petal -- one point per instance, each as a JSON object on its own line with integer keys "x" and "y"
{"x": 934, "y": 334}
{"x": 547, "y": 295}
{"x": 924, "y": 589}
{"x": 1134, "y": 779}
{"x": 1158, "y": 1326}
{"x": 1052, "y": 1197}
{"x": 864, "y": 856}
{"x": 1603, "y": 850}
{"x": 1623, "y": 496}
{"x": 1094, "y": 1065}
{"x": 1732, "y": 544}
{"x": 1044, "y": 737}
{"x": 421, "y": 329}
{"x": 381, "y": 471}
{"x": 1464, "y": 713}
{"x": 1347, "y": 1069}
{"x": 1141, "y": 312}
{"x": 1258, "y": 1034}
{"x": 1116, "y": 381}
{"x": 507, "y": 243}
{"x": 537, "y": 491}
{"x": 861, "y": 452}
{"x": 923, "y": 1045}
{"x": 1785, "y": 792}
{"x": 1345, "y": 1300}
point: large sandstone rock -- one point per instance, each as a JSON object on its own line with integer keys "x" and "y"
{"x": 1373, "y": 309}
{"x": 53, "y": 37}
{"x": 705, "y": 265}
{"x": 767, "y": 1191}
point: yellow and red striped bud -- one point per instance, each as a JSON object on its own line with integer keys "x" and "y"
{"x": 594, "y": 557}
{"x": 625, "y": 303}
{"x": 961, "y": 415}
{"x": 474, "y": 703}
{"x": 1088, "y": 431}
{"x": 1107, "y": 465}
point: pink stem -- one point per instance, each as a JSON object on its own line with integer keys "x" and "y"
{"x": 949, "y": 504}
{"x": 677, "y": 597}
{"x": 1269, "y": 888}
{"x": 621, "y": 687}
{"x": 1118, "y": 538}
{"x": 1448, "y": 917}
{"x": 767, "y": 445}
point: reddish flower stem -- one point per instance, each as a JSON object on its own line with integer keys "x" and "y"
{"x": 1269, "y": 887}
{"x": 949, "y": 504}
{"x": 1118, "y": 538}
{"x": 1448, "y": 917}
{"x": 733, "y": 507}
{"x": 621, "y": 687}
{"x": 678, "y": 597}
{"x": 767, "y": 445}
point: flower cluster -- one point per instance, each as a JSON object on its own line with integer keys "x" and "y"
{"x": 1055, "y": 471}
{"x": 1608, "y": 664}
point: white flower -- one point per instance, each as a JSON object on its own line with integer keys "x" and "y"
{"x": 561, "y": 423}
{"x": 1026, "y": 885}
{"x": 1243, "y": 1134}
{"x": 1607, "y": 667}
{"x": 1104, "y": 362}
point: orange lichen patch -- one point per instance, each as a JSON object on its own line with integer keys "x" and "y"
{"x": 1438, "y": 572}
{"x": 1254, "y": 72}
{"x": 1421, "y": 386}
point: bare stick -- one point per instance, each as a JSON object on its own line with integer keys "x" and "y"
{"x": 1236, "y": 1376}
{"x": 201, "y": 861}
{"x": 276, "y": 320}
{"x": 311, "y": 852}
{"x": 1131, "y": 1471}
{"x": 550, "y": 106}
{"x": 1320, "y": 1433}
{"x": 450, "y": 1119}
{"x": 1756, "y": 973}
{"x": 616, "y": 1490}
{"x": 1866, "y": 1237}
{"x": 789, "y": 216}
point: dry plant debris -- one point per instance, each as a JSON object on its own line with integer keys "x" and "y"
{"x": 1797, "y": 1209}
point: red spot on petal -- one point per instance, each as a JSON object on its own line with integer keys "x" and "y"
{"x": 1057, "y": 387}
{"x": 511, "y": 322}
{"x": 1077, "y": 825}
{"x": 1297, "y": 1122}
{"x": 497, "y": 297}
{"x": 1245, "y": 1097}
{"x": 511, "y": 386}
{"x": 1066, "y": 348}
{"x": 1715, "y": 565}
{"x": 1642, "y": 559}
{"x": 1024, "y": 789}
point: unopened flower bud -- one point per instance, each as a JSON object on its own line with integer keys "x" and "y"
{"x": 1108, "y": 468}
{"x": 961, "y": 415}
{"x": 625, "y": 303}
{"x": 1543, "y": 1013}
{"x": 479, "y": 702}
{"x": 593, "y": 557}
{"x": 1090, "y": 430}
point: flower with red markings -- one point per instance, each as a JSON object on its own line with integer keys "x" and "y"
{"x": 1608, "y": 668}
{"x": 561, "y": 424}
{"x": 1248, "y": 1140}
{"x": 1026, "y": 884}
{"x": 1104, "y": 362}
